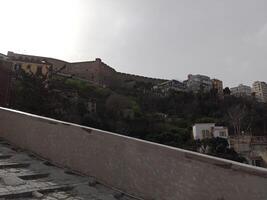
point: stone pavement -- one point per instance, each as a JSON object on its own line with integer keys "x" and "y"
{"x": 24, "y": 176}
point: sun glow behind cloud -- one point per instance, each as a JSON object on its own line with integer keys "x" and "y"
{"x": 37, "y": 26}
{"x": 157, "y": 38}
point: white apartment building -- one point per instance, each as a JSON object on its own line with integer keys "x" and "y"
{"x": 260, "y": 90}
{"x": 170, "y": 85}
{"x": 241, "y": 90}
{"x": 199, "y": 82}
{"x": 209, "y": 130}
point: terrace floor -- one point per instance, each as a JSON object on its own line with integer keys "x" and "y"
{"x": 25, "y": 176}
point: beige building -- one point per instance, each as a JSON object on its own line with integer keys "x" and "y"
{"x": 217, "y": 85}
{"x": 241, "y": 91}
{"x": 30, "y": 65}
{"x": 260, "y": 91}
{"x": 253, "y": 148}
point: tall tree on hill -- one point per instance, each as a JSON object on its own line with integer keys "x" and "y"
{"x": 236, "y": 115}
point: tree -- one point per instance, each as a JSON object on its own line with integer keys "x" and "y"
{"x": 226, "y": 91}
{"x": 236, "y": 115}
{"x": 219, "y": 147}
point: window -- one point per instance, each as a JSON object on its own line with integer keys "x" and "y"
{"x": 256, "y": 162}
{"x": 222, "y": 134}
{"x": 206, "y": 134}
{"x": 17, "y": 67}
{"x": 39, "y": 71}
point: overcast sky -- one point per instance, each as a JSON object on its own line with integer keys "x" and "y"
{"x": 226, "y": 39}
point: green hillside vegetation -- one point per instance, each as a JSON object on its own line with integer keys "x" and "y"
{"x": 135, "y": 110}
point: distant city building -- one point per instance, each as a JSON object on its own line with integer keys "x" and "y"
{"x": 198, "y": 83}
{"x": 260, "y": 90}
{"x": 241, "y": 91}
{"x": 217, "y": 85}
{"x": 209, "y": 130}
{"x": 30, "y": 65}
{"x": 170, "y": 85}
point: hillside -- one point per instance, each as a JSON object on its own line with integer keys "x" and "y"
{"x": 135, "y": 110}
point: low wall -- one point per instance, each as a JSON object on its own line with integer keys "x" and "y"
{"x": 141, "y": 168}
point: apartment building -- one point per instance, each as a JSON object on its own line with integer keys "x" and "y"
{"x": 241, "y": 90}
{"x": 217, "y": 85}
{"x": 260, "y": 90}
{"x": 166, "y": 86}
{"x": 198, "y": 83}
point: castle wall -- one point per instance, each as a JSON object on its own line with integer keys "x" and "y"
{"x": 132, "y": 77}
{"x": 94, "y": 71}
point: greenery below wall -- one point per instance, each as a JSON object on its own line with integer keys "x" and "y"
{"x": 135, "y": 110}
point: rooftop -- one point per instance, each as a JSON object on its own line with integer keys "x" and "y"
{"x": 25, "y": 176}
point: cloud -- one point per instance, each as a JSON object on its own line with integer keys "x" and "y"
{"x": 258, "y": 38}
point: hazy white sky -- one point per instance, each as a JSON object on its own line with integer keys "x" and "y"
{"x": 226, "y": 39}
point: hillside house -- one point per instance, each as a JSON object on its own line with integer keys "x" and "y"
{"x": 209, "y": 130}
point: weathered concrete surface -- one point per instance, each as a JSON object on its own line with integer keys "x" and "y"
{"x": 41, "y": 180}
{"x": 137, "y": 167}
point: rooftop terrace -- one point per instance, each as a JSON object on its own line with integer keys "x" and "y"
{"x": 26, "y": 176}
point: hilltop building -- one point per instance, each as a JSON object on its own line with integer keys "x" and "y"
{"x": 96, "y": 72}
{"x": 209, "y": 130}
{"x": 217, "y": 85}
{"x": 198, "y": 83}
{"x": 34, "y": 66}
{"x": 241, "y": 91}
{"x": 166, "y": 86}
{"x": 260, "y": 90}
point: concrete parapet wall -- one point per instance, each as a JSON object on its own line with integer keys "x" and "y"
{"x": 141, "y": 168}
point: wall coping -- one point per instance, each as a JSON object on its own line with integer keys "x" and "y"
{"x": 219, "y": 162}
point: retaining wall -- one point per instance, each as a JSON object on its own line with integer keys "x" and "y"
{"x": 140, "y": 168}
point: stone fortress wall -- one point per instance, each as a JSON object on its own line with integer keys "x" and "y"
{"x": 140, "y": 168}
{"x": 94, "y": 71}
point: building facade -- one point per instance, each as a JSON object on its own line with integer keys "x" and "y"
{"x": 241, "y": 90}
{"x": 253, "y": 148}
{"x": 166, "y": 86}
{"x": 260, "y": 91}
{"x": 33, "y": 66}
{"x": 217, "y": 85}
{"x": 197, "y": 83}
{"x": 209, "y": 130}
{"x": 96, "y": 71}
